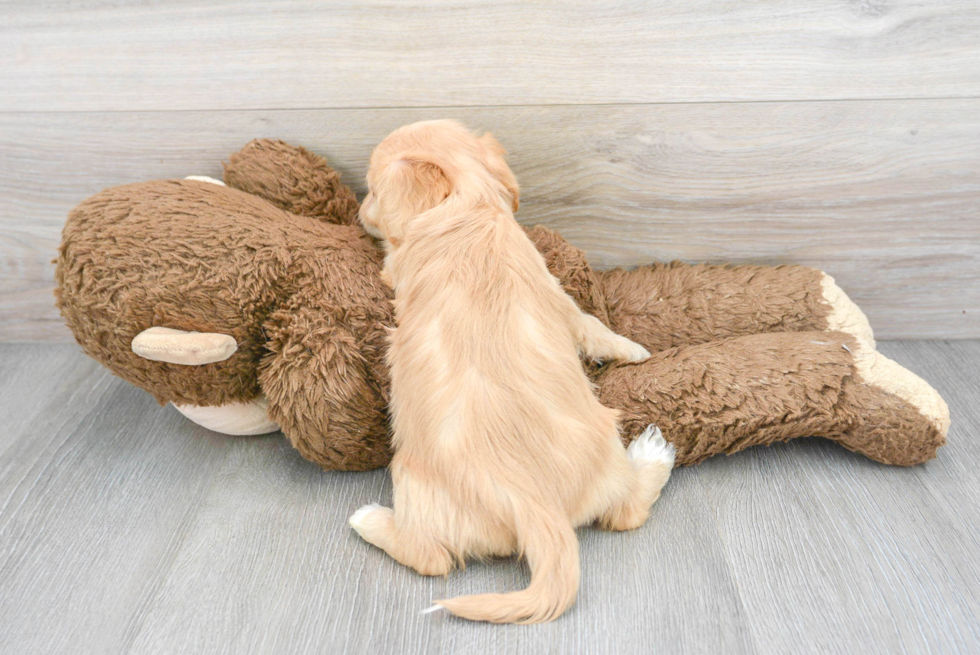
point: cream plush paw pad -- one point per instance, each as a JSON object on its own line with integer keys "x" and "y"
{"x": 162, "y": 344}
{"x": 845, "y": 316}
{"x": 204, "y": 178}
{"x": 879, "y": 371}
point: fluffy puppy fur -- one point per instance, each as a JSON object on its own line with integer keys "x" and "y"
{"x": 501, "y": 446}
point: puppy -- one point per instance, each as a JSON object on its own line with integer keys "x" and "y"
{"x": 501, "y": 447}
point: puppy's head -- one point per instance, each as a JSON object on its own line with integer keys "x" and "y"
{"x": 491, "y": 154}
{"x": 420, "y": 165}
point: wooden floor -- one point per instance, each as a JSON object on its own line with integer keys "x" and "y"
{"x": 126, "y": 529}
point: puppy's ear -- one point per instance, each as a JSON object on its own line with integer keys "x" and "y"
{"x": 493, "y": 157}
{"x": 409, "y": 187}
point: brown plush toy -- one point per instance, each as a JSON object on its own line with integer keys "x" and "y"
{"x": 259, "y": 305}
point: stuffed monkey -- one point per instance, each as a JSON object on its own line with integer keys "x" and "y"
{"x": 259, "y": 306}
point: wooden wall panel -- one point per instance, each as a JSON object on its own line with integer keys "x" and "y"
{"x": 883, "y": 195}
{"x": 246, "y": 54}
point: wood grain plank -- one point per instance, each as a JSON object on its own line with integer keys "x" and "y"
{"x": 664, "y": 588}
{"x": 883, "y": 195}
{"x": 273, "y": 567}
{"x": 123, "y": 528}
{"x": 151, "y": 54}
{"x": 97, "y": 487}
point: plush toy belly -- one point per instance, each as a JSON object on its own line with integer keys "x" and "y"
{"x": 236, "y": 419}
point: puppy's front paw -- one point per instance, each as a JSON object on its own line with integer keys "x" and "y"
{"x": 632, "y": 351}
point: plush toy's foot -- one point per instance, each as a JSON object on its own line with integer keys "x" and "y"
{"x": 891, "y": 415}
{"x": 844, "y": 315}
{"x": 237, "y": 419}
{"x": 205, "y": 178}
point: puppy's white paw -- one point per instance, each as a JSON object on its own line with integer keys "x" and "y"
{"x": 651, "y": 448}
{"x": 634, "y": 352}
{"x": 359, "y": 519}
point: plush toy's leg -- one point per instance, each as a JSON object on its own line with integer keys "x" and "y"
{"x": 668, "y": 305}
{"x": 239, "y": 419}
{"x": 724, "y": 396}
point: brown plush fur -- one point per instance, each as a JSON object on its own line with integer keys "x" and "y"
{"x": 293, "y": 179}
{"x": 300, "y": 291}
{"x": 301, "y": 297}
{"x": 763, "y": 389}
{"x": 679, "y": 304}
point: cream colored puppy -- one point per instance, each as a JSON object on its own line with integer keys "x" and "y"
{"x": 500, "y": 444}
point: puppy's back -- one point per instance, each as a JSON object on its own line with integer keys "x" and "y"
{"x": 484, "y": 361}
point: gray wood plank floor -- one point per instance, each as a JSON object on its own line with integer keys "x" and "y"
{"x": 125, "y": 529}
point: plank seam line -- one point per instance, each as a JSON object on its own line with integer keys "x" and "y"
{"x": 13, "y": 112}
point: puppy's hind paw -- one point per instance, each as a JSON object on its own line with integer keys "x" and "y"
{"x": 650, "y": 447}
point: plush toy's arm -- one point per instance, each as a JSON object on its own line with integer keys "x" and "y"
{"x": 668, "y": 305}
{"x": 724, "y": 396}
{"x": 292, "y": 178}
{"x": 322, "y": 390}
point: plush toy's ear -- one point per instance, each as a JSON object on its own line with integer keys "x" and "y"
{"x": 406, "y": 188}
{"x": 493, "y": 156}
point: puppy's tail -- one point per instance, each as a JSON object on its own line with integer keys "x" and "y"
{"x": 549, "y": 542}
